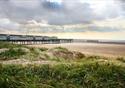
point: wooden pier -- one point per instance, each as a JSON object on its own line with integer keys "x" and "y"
{"x": 34, "y": 42}
{"x": 30, "y": 39}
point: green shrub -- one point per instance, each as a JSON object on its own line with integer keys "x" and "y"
{"x": 43, "y": 49}
{"x": 12, "y": 54}
{"x": 60, "y": 49}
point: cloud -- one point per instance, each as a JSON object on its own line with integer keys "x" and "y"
{"x": 103, "y": 29}
{"x": 62, "y": 16}
{"x": 26, "y": 4}
{"x": 8, "y": 24}
{"x": 60, "y": 13}
{"x": 112, "y": 23}
{"x": 104, "y": 26}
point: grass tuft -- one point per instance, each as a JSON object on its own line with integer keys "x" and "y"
{"x": 12, "y": 54}
{"x": 122, "y": 59}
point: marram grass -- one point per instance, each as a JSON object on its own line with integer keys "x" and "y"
{"x": 89, "y": 75}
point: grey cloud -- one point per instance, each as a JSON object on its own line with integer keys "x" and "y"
{"x": 7, "y": 24}
{"x": 19, "y": 12}
{"x": 42, "y": 27}
{"x": 69, "y": 12}
{"x": 103, "y": 29}
{"x": 74, "y": 30}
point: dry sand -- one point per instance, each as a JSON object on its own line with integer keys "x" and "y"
{"x": 110, "y": 50}
{"x": 26, "y": 62}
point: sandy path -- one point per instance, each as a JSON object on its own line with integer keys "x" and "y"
{"x": 110, "y": 50}
{"x": 26, "y": 62}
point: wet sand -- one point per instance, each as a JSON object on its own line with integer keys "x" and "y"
{"x": 110, "y": 50}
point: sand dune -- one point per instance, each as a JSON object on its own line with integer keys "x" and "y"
{"x": 110, "y": 50}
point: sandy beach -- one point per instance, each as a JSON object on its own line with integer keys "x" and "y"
{"x": 110, "y": 50}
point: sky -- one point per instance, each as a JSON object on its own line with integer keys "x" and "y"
{"x": 84, "y": 19}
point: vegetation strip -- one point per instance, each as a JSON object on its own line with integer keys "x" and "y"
{"x": 26, "y": 67}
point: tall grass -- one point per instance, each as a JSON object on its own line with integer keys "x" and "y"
{"x": 89, "y": 75}
{"x": 60, "y": 48}
{"x": 12, "y": 54}
{"x": 15, "y": 51}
